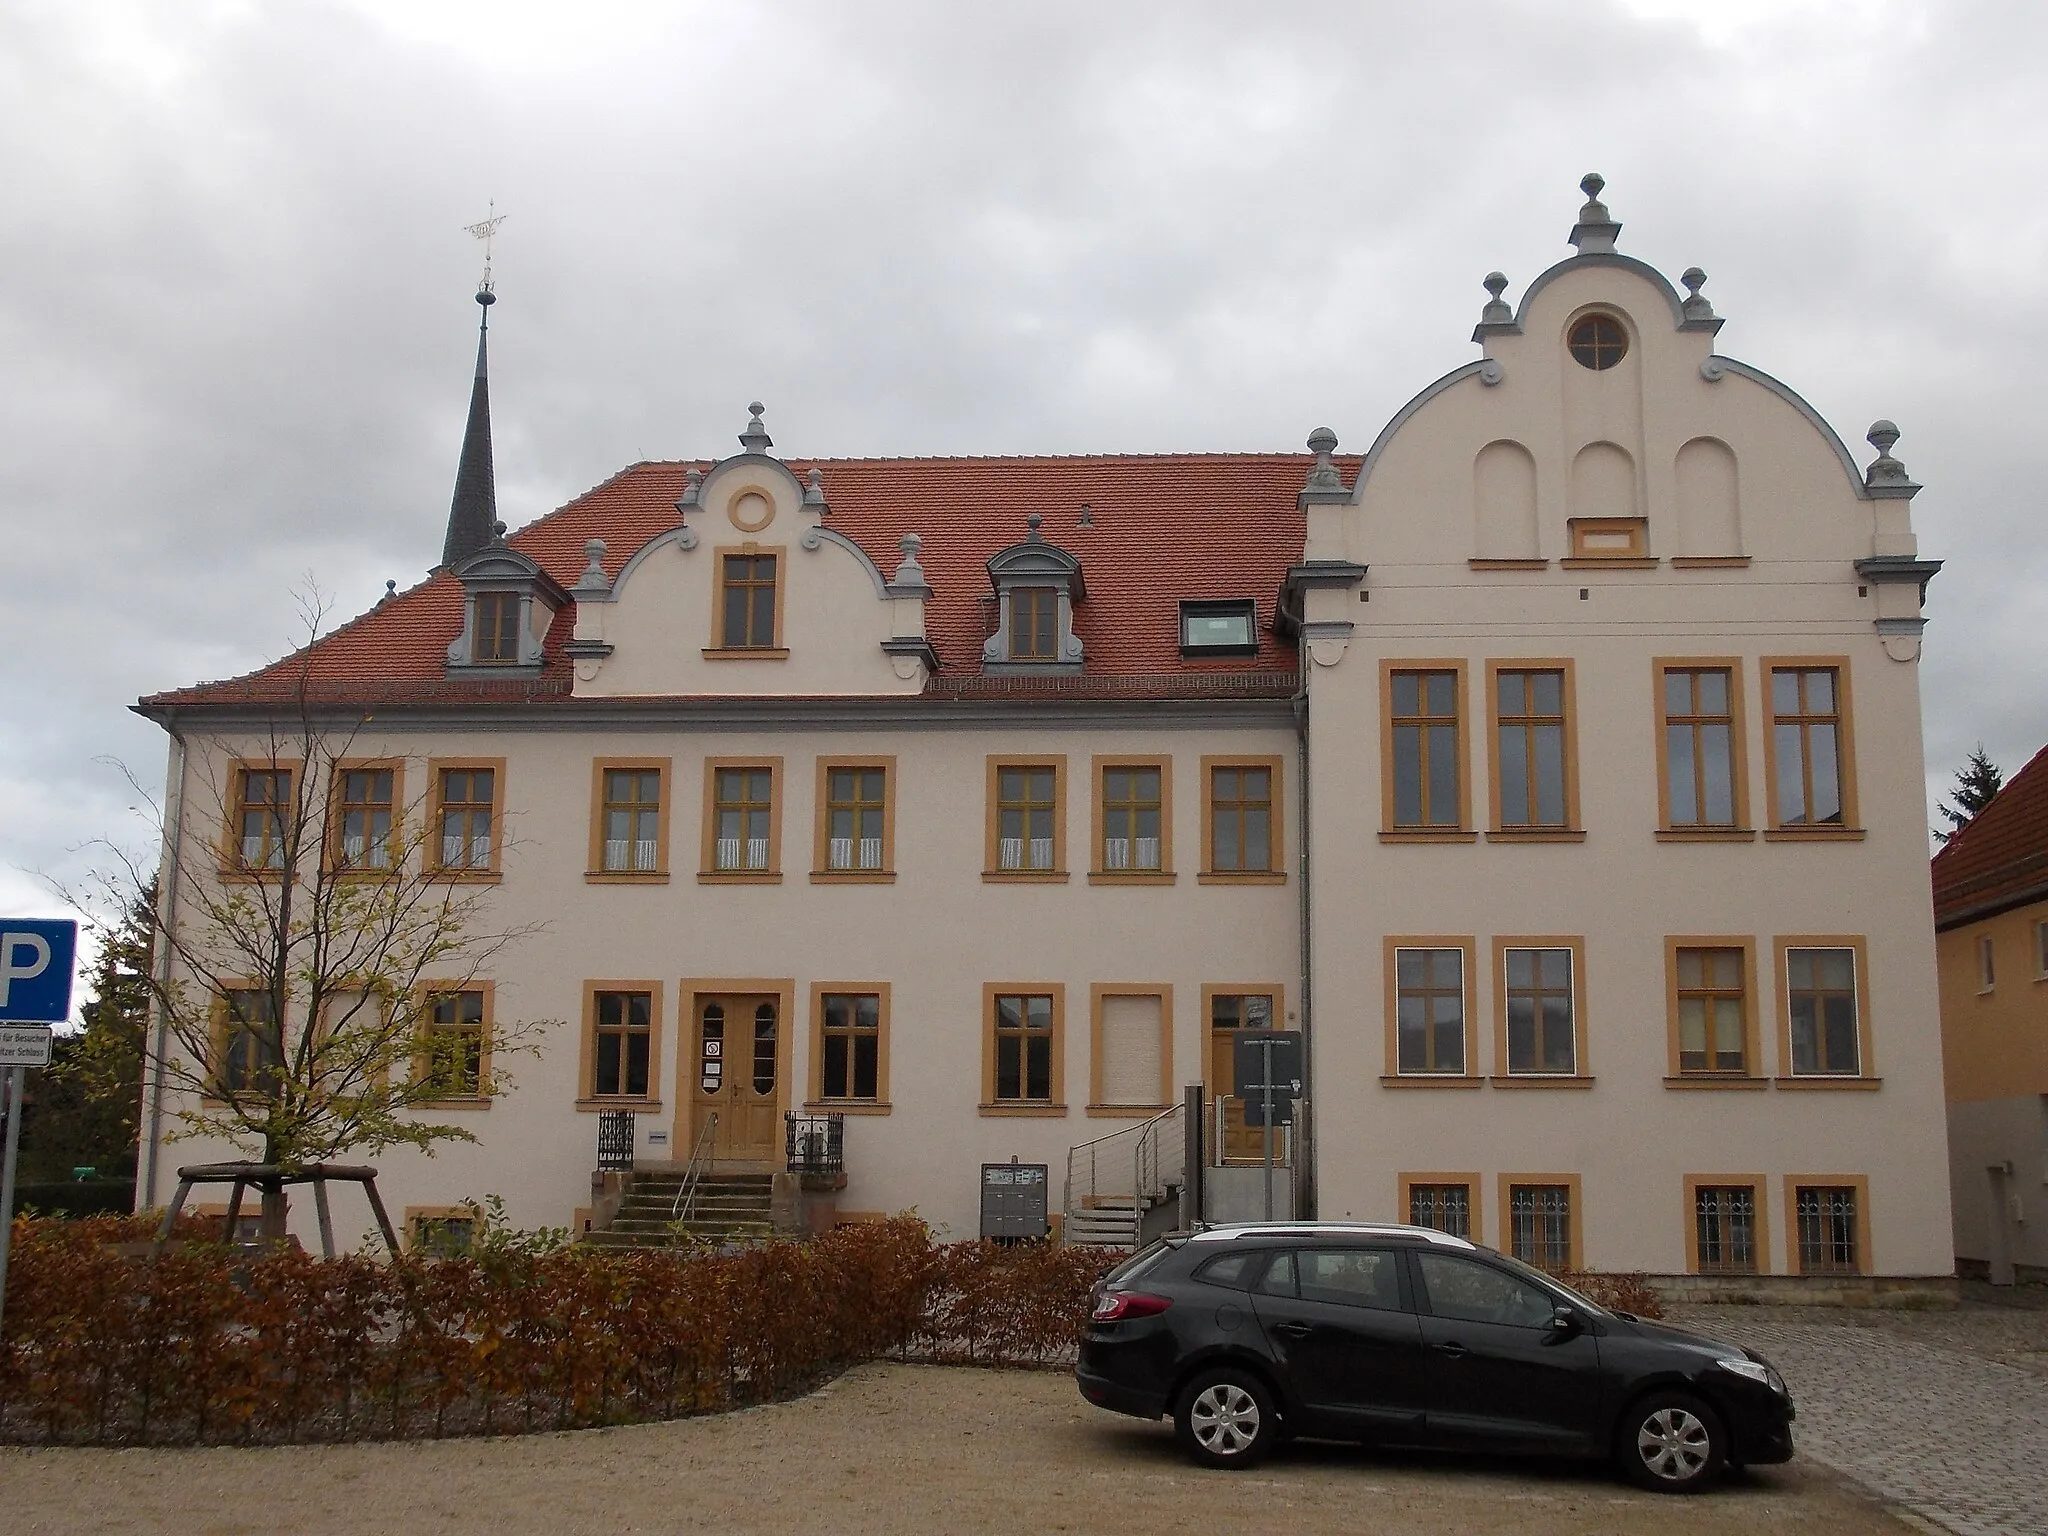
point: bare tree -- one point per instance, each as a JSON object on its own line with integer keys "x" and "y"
{"x": 319, "y": 985}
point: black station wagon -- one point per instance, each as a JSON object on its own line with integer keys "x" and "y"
{"x": 1406, "y": 1336}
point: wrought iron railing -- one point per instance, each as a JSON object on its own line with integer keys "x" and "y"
{"x": 615, "y": 1140}
{"x": 814, "y": 1143}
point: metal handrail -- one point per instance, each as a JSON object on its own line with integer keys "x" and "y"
{"x": 1282, "y": 1142}
{"x": 1095, "y": 1148}
{"x": 693, "y": 1173}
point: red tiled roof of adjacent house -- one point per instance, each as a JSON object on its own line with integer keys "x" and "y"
{"x": 1165, "y": 528}
{"x": 2000, "y": 858}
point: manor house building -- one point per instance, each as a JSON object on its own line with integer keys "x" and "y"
{"x": 1554, "y": 767}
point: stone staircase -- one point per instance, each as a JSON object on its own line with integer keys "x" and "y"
{"x": 729, "y": 1208}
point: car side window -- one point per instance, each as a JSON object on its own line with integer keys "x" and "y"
{"x": 1477, "y": 1293}
{"x": 1278, "y": 1280}
{"x": 1239, "y": 1271}
{"x": 1350, "y": 1277}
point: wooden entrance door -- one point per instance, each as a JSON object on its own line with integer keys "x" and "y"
{"x": 1231, "y": 1140}
{"x": 739, "y": 1062}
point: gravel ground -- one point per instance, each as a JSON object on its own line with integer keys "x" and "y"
{"x": 884, "y": 1448}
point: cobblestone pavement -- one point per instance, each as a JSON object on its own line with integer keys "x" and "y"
{"x": 1944, "y": 1412}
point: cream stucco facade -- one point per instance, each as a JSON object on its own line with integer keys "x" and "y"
{"x": 1582, "y": 532}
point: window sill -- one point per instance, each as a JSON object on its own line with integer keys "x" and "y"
{"x": 1040, "y": 1111}
{"x": 1706, "y": 835}
{"x": 739, "y": 877}
{"x": 1448, "y": 836}
{"x": 1131, "y": 877}
{"x": 1709, "y": 562}
{"x": 352, "y": 876}
{"x": 1433, "y": 1080}
{"x": 1242, "y": 877}
{"x": 451, "y": 1104}
{"x": 1542, "y": 1080}
{"x": 853, "y": 877}
{"x": 746, "y": 653}
{"x": 625, "y": 877}
{"x": 1710, "y": 1080}
{"x": 636, "y": 1106}
{"x": 1813, "y": 835}
{"x": 1537, "y": 835}
{"x": 1608, "y": 563}
{"x": 466, "y": 876}
{"x": 237, "y": 874}
{"x": 1025, "y": 876}
{"x": 849, "y": 1106}
{"x": 1125, "y": 1111}
{"x": 1837, "y": 1084}
{"x": 1529, "y": 564}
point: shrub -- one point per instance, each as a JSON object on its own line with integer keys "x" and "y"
{"x": 1624, "y": 1292}
{"x": 209, "y": 1344}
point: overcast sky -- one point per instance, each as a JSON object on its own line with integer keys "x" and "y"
{"x": 236, "y": 326}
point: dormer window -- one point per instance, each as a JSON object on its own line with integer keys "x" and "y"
{"x": 508, "y": 603}
{"x": 1034, "y": 624}
{"x": 1219, "y": 628}
{"x": 1037, "y": 585}
{"x": 497, "y": 629}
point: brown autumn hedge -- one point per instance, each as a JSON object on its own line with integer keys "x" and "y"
{"x": 207, "y": 1345}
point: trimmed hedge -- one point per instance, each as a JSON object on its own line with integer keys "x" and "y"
{"x": 207, "y": 1344}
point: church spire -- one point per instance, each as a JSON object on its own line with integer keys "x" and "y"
{"x": 473, "y": 514}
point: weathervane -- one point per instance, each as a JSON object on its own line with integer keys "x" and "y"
{"x": 483, "y": 232}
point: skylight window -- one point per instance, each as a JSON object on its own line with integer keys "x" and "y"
{"x": 1219, "y": 628}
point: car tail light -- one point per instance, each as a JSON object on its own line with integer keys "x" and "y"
{"x": 1115, "y": 1306}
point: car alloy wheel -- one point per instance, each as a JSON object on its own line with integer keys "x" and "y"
{"x": 1225, "y": 1419}
{"x": 1672, "y": 1444}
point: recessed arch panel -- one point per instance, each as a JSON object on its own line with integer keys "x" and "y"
{"x": 1504, "y": 502}
{"x": 1709, "y": 499}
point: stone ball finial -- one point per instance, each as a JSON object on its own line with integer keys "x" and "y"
{"x": 498, "y": 529}
{"x": 1881, "y": 436}
{"x": 1694, "y": 280}
{"x": 910, "y": 544}
{"x": 1592, "y": 184}
{"x": 593, "y": 550}
{"x": 1322, "y": 442}
{"x": 1034, "y": 522}
{"x": 390, "y": 591}
{"x": 755, "y": 408}
{"x": 1496, "y": 283}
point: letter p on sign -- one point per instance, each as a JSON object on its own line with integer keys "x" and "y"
{"x": 36, "y": 959}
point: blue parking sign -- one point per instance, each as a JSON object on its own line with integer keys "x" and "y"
{"x": 36, "y": 957}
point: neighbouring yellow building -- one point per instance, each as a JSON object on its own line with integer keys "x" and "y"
{"x": 1991, "y": 922}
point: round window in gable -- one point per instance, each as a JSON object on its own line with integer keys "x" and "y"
{"x": 1598, "y": 342}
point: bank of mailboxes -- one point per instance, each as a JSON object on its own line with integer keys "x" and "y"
{"x": 1013, "y": 1200}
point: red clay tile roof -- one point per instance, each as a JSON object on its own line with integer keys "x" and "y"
{"x": 2000, "y": 858}
{"x": 1166, "y": 527}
